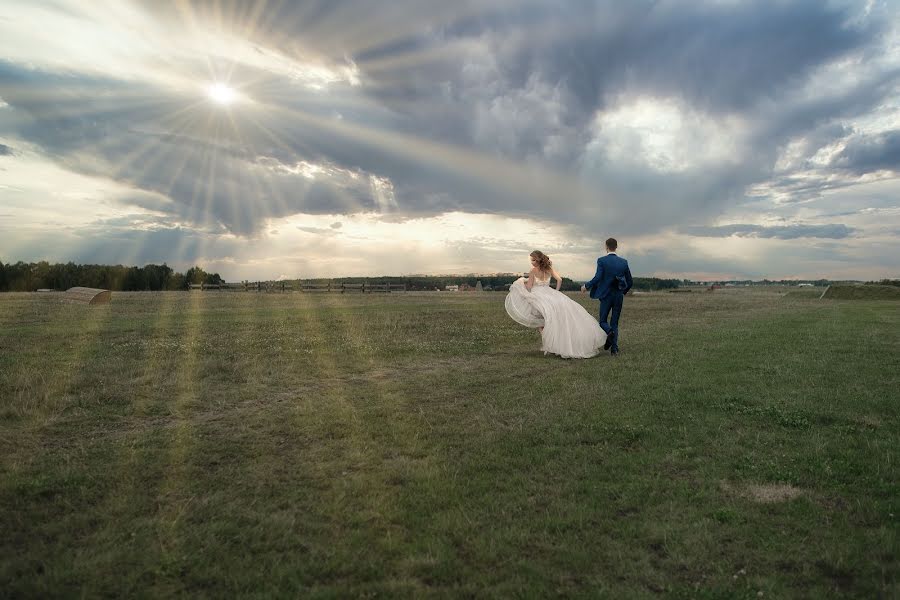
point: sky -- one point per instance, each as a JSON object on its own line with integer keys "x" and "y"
{"x": 267, "y": 139}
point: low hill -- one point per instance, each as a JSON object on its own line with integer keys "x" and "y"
{"x": 862, "y": 292}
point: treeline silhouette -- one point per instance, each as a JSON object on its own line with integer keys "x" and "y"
{"x": 498, "y": 282}
{"x": 28, "y": 277}
{"x": 893, "y": 282}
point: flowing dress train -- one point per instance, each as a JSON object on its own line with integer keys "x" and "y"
{"x": 569, "y": 330}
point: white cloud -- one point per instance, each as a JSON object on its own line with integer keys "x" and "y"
{"x": 46, "y": 196}
{"x": 664, "y": 134}
{"x": 124, "y": 41}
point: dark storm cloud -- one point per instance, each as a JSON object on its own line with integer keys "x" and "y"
{"x": 5, "y": 150}
{"x": 866, "y": 154}
{"x": 719, "y": 57}
{"x": 834, "y": 231}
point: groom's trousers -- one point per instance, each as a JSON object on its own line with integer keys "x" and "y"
{"x": 612, "y": 303}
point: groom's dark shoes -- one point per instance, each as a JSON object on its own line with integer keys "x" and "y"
{"x": 609, "y": 341}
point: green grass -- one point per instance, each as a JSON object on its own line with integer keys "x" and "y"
{"x": 809, "y": 293}
{"x": 224, "y": 444}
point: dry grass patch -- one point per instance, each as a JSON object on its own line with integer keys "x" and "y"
{"x": 763, "y": 493}
{"x": 772, "y": 492}
{"x": 868, "y": 421}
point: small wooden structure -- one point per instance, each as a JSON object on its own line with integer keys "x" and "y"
{"x": 83, "y": 295}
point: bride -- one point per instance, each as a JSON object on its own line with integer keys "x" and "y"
{"x": 566, "y": 327}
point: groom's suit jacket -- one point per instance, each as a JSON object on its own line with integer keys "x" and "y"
{"x": 609, "y": 269}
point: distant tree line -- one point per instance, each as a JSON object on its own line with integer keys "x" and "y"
{"x": 650, "y": 284}
{"x": 28, "y": 277}
{"x": 498, "y": 282}
{"x": 749, "y": 282}
{"x": 792, "y": 282}
{"x": 893, "y": 282}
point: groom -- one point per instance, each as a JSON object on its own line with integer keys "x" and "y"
{"x": 609, "y": 285}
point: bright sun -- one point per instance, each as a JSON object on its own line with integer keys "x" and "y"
{"x": 221, "y": 94}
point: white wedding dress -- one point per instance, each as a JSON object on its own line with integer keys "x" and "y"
{"x": 569, "y": 330}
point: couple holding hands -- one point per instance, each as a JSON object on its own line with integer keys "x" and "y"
{"x": 566, "y": 327}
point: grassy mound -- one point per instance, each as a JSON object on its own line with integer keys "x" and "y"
{"x": 863, "y": 292}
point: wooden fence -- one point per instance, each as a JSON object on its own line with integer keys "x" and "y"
{"x": 247, "y": 286}
{"x": 352, "y": 288}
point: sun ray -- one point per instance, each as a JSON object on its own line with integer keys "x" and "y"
{"x": 345, "y": 31}
{"x": 258, "y": 182}
{"x": 276, "y": 192}
{"x": 543, "y": 186}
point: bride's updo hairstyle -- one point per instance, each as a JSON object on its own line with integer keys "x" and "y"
{"x": 543, "y": 261}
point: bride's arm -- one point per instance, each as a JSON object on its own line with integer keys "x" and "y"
{"x": 558, "y": 279}
{"x": 530, "y": 283}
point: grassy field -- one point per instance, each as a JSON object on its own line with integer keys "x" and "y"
{"x": 222, "y": 444}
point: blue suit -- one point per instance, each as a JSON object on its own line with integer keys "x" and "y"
{"x": 609, "y": 285}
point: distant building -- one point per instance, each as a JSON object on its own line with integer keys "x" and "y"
{"x": 452, "y": 288}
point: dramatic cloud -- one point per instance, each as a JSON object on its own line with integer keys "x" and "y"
{"x": 866, "y": 154}
{"x": 227, "y": 125}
